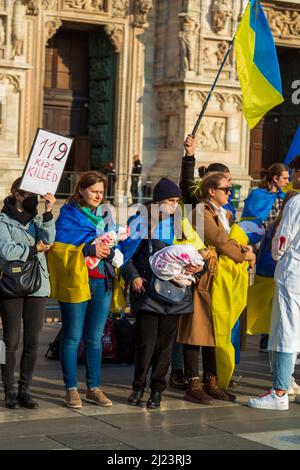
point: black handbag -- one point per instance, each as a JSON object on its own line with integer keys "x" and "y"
{"x": 164, "y": 291}
{"x": 19, "y": 279}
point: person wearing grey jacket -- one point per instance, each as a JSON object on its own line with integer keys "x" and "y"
{"x": 23, "y": 235}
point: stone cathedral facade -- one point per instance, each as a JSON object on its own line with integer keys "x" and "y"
{"x": 127, "y": 77}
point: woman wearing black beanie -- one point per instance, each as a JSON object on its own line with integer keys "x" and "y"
{"x": 156, "y": 321}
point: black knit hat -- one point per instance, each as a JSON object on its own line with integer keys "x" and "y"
{"x": 165, "y": 189}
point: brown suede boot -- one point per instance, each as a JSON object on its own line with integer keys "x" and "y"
{"x": 212, "y": 389}
{"x": 195, "y": 392}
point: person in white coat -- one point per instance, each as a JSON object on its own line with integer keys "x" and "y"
{"x": 284, "y": 340}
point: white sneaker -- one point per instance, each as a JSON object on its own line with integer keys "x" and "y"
{"x": 270, "y": 401}
{"x": 294, "y": 388}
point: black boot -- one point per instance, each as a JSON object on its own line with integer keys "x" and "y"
{"x": 11, "y": 401}
{"x": 177, "y": 380}
{"x": 135, "y": 397}
{"x": 25, "y": 399}
{"x": 154, "y": 400}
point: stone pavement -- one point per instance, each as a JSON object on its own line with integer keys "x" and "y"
{"x": 178, "y": 425}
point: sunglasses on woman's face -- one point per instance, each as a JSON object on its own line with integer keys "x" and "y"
{"x": 226, "y": 190}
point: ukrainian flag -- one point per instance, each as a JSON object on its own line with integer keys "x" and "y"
{"x": 67, "y": 269}
{"x": 229, "y": 298}
{"x": 257, "y": 64}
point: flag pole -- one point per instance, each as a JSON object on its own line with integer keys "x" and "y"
{"x": 211, "y": 90}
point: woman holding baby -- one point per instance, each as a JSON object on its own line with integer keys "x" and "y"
{"x": 84, "y": 293}
{"x": 197, "y": 330}
{"x": 156, "y": 320}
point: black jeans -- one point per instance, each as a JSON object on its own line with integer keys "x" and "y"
{"x": 154, "y": 340}
{"x": 32, "y": 311}
{"x": 191, "y": 360}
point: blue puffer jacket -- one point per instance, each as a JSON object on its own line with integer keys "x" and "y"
{"x": 16, "y": 239}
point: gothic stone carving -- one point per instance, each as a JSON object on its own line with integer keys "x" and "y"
{"x": 116, "y": 35}
{"x": 119, "y": 8}
{"x": 33, "y": 8}
{"x": 143, "y": 9}
{"x": 222, "y": 99}
{"x": 188, "y": 42}
{"x": 211, "y": 134}
{"x": 18, "y": 28}
{"x": 2, "y": 31}
{"x": 49, "y": 4}
{"x": 221, "y": 12}
{"x": 214, "y": 53}
{"x": 168, "y": 100}
{"x": 93, "y": 5}
{"x": 284, "y": 22}
{"x": 13, "y": 80}
{"x": 51, "y": 26}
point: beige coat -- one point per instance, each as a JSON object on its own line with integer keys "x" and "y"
{"x": 197, "y": 328}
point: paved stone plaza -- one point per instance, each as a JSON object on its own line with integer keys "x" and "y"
{"x": 178, "y": 425}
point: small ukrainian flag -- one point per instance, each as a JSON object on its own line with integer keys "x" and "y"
{"x": 257, "y": 64}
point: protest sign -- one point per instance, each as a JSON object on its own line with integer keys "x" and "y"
{"x": 46, "y": 162}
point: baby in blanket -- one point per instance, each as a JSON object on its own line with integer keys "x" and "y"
{"x": 170, "y": 263}
{"x": 110, "y": 239}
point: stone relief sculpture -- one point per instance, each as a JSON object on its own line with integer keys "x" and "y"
{"x": 18, "y": 28}
{"x": 213, "y": 54}
{"x": 211, "y": 135}
{"x": 2, "y": 32}
{"x": 221, "y": 12}
{"x": 188, "y": 42}
{"x": 168, "y": 100}
{"x": 116, "y": 35}
{"x": 285, "y": 23}
{"x": 119, "y": 8}
{"x": 33, "y": 7}
{"x": 222, "y": 49}
{"x": 51, "y": 26}
{"x": 143, "y": 9}
{"x": 50, "y": 4}
{"x": 172, "y": 132}
{"x": 85, "y": 4}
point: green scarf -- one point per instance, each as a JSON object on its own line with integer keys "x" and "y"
{"x": 98, "y": 222}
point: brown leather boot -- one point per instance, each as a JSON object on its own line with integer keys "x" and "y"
{"x": 196, "y": 394}
{"x": 212, "y": 389}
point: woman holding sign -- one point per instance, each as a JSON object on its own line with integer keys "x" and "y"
{"x": 25, "y": 236}
{"x": 81, "y": 277}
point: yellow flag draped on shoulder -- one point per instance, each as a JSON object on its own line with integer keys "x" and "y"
{"x": 257, "y": 64}
{"x": 229, "y": 298}
{"x": 259, "y": 305}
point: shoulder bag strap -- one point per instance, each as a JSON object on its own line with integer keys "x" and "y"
{"x": 150, "y": 246}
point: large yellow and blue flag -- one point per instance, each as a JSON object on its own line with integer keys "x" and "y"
{"x": 229, "y": 298}
{"x": 294, "y": 149}
{"x": 257, "y": 64}
{"x": 68, "y": 272}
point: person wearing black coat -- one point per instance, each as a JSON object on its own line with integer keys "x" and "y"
{"x": 156, "y": 321}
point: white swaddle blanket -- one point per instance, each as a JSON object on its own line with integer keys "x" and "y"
{"x": 169, "y": 263}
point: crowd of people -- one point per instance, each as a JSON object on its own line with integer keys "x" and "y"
{"x": 188, "y": 282}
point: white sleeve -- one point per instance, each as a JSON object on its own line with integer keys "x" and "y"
{"x": 287, "y": 230}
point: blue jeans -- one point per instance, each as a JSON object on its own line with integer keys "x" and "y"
{"x": 177, "y": 355}
{"x": 84, "y": 320}
{"x": 282, "y": 365}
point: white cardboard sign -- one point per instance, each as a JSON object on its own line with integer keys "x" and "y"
{"x": 46, "y": 162}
